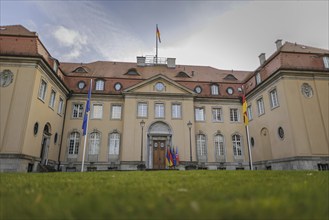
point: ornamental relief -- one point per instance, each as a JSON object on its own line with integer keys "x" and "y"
{"x": 307, "y": 90}
{"x": 6, "y": 78}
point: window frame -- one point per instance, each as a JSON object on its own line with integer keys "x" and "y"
{"x": 113, "y": 112}
{"x": 258, "y": 78}
{"x": 94, "y": 143}
{"x": 141, "y": 114}
{"x": 93, "y": 110}
{"x": 60, "y": 106}
{"x": 249, "y": 112}
{"x": 221, "y": 114}
{"x": 79, "y": 110}
{"x": 201, "y": 149}
{"x": 220, "y": 148}
{"x": 237, "y": 116}
{"x": 42, "y": 90}
{"x": 274, "y": 100}
{"x": 203, "y": 114}
{"x": 260, "y": 108}
{"x": 326, "y": 62}
{"x": 74, "y": 149}
{"x": 52, "y": 99}
{"x": 237, "y": 145}
{"x": 98, "y": 86}
{"x": 116, "y": 142}
{"x": 176, "y": 114}
{"x": 214, "y": 89}
{"x": 156, "y": 110}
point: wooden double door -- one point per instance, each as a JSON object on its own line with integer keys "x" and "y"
{"x": 159, "y": 154}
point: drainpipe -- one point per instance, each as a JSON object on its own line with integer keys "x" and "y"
{"x": 60, "y": 146}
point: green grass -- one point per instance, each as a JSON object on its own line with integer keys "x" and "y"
{"x": 166, "y": 195}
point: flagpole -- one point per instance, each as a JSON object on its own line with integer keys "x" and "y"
{"x": 250, "y": 157}
{"x": 85, "y": 141}
{"x": 156, "y": 44}
{"x": 84, "y": 146}
{"x": 247, "y": 129}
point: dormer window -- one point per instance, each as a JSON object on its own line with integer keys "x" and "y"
{"x": 99, "y": 85}
{"x": 80, "y": 70}
{"x": 182, "y": 74}
{"x": 55, "y": 67}
{"x": 214, "y": 89}
{"x": 230, "y": 77}
{"x": 132, "y": 72}
{"x": 326, "y": 62}
{"x": 258, "y": 79}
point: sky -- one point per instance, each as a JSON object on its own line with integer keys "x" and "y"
{"x": 222, "y": 34}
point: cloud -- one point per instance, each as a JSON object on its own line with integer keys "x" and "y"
{"x": 70, "y": 39}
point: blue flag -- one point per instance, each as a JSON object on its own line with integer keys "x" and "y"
{"x": 173, "y": 155}
{"x": 87, "y": 109}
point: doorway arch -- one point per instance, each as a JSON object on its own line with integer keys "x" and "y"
{"x": 159, "y": 137}
{"x": 45, "y": 144}
{"x": 266, "y": 144}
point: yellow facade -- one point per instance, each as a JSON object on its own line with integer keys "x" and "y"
{"x": 194, "y": 109}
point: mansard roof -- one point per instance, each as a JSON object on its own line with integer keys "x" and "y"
{"x": 109, "y": 69}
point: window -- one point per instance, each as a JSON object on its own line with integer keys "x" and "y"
{"x": 159, "y": 110}
{"x": 260, "y": 106}
{"x": 214, "y": 89}
{"x": 326, "y": 62}
{"x": 142, "y": 110}
{"x": 176, "y": 111}
{"x": 94, "y": 143}
{"x": 42, "y": 90}
{"x": 74, "y": 143}
{"x": 217, "y": 114}
{"x": 52, "y": 99}
{"x": 219, "y": 144}
{"x": 234, "y": 115}
{"x": 97, "y": 111}
{"x": 237, "y": 149}
{"x": 249, "y": 112}
{"x": 201, "y": 145}
{"x": 114, "y": 144}
{"x": 274, "y": 98}
{"x": 258, "y": 79}
{"x": 60, "y": 106}
{"x": 99, "y": 85}
{"x": 116, "y": 112}
{"x": 77, "y": 111}
{"x": 199, "y": 114}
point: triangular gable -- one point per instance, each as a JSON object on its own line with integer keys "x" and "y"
{"x": 148, "y": 86}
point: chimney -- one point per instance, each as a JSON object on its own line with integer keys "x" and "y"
{"x": 262, "y": 58}
{"x": 171, "y": 62}
{"x": 278, "y": 43}
{"x": 141, "y": 61}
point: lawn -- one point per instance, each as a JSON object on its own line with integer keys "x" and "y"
{"x": 166, "y": 195}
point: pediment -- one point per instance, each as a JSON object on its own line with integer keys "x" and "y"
{"x": 161, "y": 85}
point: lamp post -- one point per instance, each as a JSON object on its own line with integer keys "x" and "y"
{"x": 141, "y": 166}
{"x": 189, "y": 125}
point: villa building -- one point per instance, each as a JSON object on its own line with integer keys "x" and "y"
{"x": 139, "y": 110}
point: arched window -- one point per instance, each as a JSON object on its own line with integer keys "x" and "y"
{"x": 94, "y": 143}
{"x": 74, "y": 142}
{"x": 201, "y": 145}
{"x": 219, "y": 145}
{"x": 99, "y": 85}
{"x": 237, "y": 147}
{"x": 114, "y": 143}
{"x": 214, "y": 89}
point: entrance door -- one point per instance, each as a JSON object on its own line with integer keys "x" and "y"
{"x": 44, "y": 150}
{"x": 159, "y": 154}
